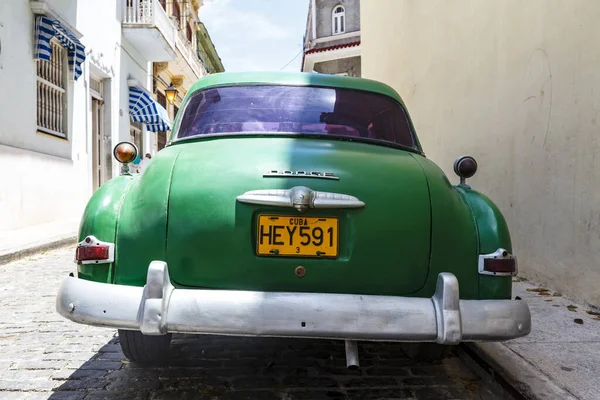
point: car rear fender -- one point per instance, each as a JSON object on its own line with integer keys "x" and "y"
{"x": 100, "y": 220}
{"x": 493, "y": 234}
{"x": 454, "y": 244}
{"x": 142, "y": 226}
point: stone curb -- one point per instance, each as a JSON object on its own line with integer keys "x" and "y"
{"x": 28, "y": 251}
{"x": 530, "y": 382}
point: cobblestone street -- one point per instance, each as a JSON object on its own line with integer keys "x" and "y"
{"x": 44, "y": 356}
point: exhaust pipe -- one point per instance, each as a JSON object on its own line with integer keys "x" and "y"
{"x": 352, "y": 354}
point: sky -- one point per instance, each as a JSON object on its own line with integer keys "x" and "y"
{"x": 257, "y": 35}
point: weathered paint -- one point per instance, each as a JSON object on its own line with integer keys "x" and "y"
{"x": 100, "y": 219}
{"x": 384, "y": 248}
{"x": 454, "y": 245}
{"x": 142, "y": 224}
{"x": 493, "y": 234}
{"x": 183, "y": 210}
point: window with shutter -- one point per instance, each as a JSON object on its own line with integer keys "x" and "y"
{"x": 52, "y": 92}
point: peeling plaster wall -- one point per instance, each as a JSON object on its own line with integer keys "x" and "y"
{"x": 517, "y": 85}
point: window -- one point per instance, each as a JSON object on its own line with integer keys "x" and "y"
{"x": 161, "y": 99}
{"x": 177, "y": 12}
{"x": 52, "y": 92}
{"x": 300, "y": 110}
{"x": 338, "y": 20}
{"x": 188, "y": 32}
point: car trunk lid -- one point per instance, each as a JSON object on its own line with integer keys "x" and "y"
{"x": 374, "y": 196}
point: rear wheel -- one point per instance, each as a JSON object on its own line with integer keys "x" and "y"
{"x": 427, "y": 352}
{"x": 145, "y": 349}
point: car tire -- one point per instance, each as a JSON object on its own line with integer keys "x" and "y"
{"x": 145, "y": 349}
{"x": 426, "y": 352}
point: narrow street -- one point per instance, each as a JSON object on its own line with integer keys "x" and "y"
{"x": 44, "y": 356}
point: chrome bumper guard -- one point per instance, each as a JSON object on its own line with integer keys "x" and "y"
{"x": 159, "y": 308}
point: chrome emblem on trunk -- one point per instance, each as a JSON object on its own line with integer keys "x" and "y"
{"x": 301, "y": 198}
{"x": 300, "y": 174}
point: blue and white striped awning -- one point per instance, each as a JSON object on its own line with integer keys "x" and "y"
{"x": 45, "y": 29}
{"x": 143, "y": 108}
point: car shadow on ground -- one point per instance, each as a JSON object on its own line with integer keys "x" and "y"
{"x": 217, "y": 367}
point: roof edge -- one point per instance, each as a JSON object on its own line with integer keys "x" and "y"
{"x": 293, "y": 79}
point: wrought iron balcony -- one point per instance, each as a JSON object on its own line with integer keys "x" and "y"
{"x": 148, "y": 28}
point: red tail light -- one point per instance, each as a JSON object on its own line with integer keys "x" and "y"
{"x": 498, "y": 263}
{"x": 506, "y": 265}
{"x": 91, "y": 253}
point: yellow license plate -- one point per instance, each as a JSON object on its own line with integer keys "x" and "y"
{"x": 294, "y": 236}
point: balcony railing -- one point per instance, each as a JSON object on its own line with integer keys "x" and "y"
{"x": 139, "y": 12}
{"x": 189, "y": 52}
{"x": 147, "y": 26}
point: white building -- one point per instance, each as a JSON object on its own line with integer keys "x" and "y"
{"x": 66, "y": 69}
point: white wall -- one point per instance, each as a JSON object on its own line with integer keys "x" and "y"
{"x": 43, "y": 178}
{"x": 516, "y": 84}
{"x": 133, "y": 66}
{"x": 101, "y": 25}
{"x": 18, "y": 78}
{"x": 37, "y": 188}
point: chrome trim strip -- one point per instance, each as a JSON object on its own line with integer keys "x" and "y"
{"x": 279, "y": 198}
{"x": 301, "y": 174}
{"x": 300, "y": 198}
{"x": 501, "y": 254}
{"x": 158, "y": 308}
{"x": 335, "y": 200}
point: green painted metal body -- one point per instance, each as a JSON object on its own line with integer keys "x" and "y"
{"x": 100, "y": 219}
{"x": 183, "y": 210}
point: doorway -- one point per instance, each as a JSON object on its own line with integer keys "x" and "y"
{"x": 98, "y": 156}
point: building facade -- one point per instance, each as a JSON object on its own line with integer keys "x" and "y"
{"x": 82, "y": 78}
{"x": 187, "y": 66}
{"x": 332, "y": 38}
{"x": 207, "y": 51}
{"x": 515, "y": 85}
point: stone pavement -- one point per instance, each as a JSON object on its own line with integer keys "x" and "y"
{"x": 563, "y": 346}
{"x": 18, "y": 243}
{"x": 45, "y": 356}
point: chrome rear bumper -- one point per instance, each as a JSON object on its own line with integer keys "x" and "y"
{"x": 159, "y": 308}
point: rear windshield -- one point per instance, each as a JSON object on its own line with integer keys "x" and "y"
{"x": 297, "y": 110}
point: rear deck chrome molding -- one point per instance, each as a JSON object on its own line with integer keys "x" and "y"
{"x": 301, "y": 174}
{"x": 159, "y": 308}
{"x": 301, "y": 198}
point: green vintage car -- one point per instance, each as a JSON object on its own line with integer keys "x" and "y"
{"x": 294, "y": 205}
